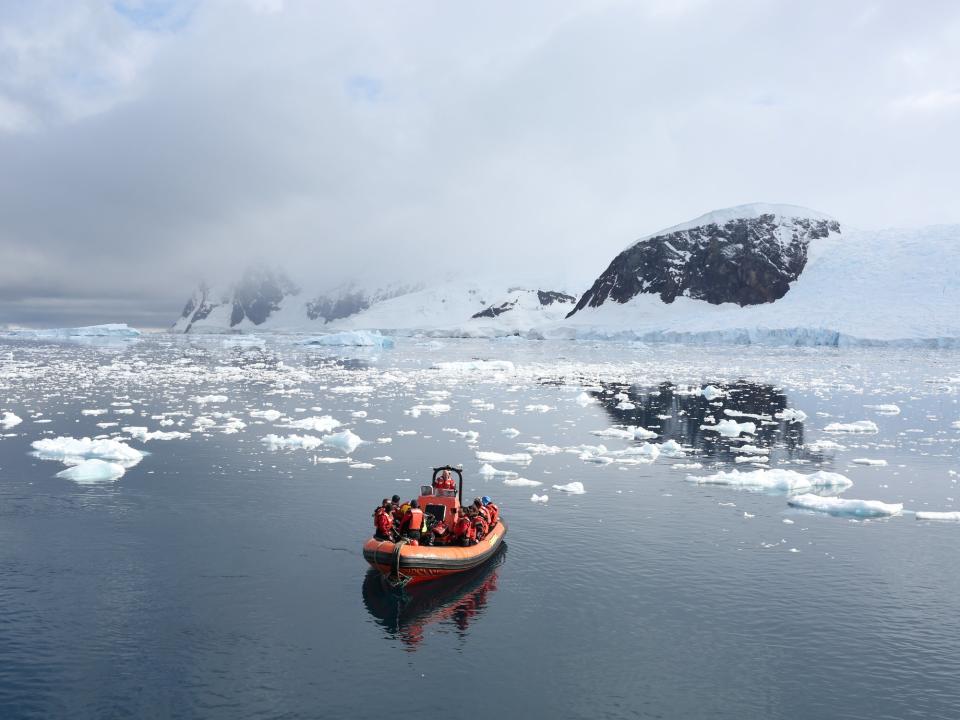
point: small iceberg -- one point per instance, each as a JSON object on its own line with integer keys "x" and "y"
{"x": 574, "y": 488}
{"x": 539, "y": 498}
{"x": 521, "y": 482}
{"x": 860, "y": 426}
{"x": 931, "y": 515}
{"x": 776, "y": 480}
{"x": 352, "y": 338}
{"x": 731, "y": 428}
{"x": 514, "y": 458}
{"x": 93, "y": 471}
{"x": 68, "y": 449}
{"x": 845, "y": 506}
{"x": 9, "y": 420}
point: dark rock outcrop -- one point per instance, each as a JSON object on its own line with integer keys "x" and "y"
{"x": 527, "y": 299}
{"x": 746, "y": 260}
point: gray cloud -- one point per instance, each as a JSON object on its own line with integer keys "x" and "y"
{"x": 144, "y": 148}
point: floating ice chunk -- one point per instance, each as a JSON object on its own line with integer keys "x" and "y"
{"x": 614, "y": 432}
{"x": 111, "y": 330}
{"x": 510, "y": 432}
{"x": 321, "y": 424}
{"x": 825, "y": 444}
{"x": 401, "y": 433}
{"x": 791, "y": 416}
{"x": 626, "y": 405}
{"x": 687, "y": 466}
{"x": 860, "y": 426}
{"x": 521, "y": 482}
{"x": 362, "y": 465}
{"x": 70, "y": 449}
{"x": 515, "y": 458}
{"x": 751, "y": 459}
{"x": 711, "y": 392}
{"x": 868, "y": 461}
{"x": 9, "y": 420}
{"x": 306, "y": 442}
{"x": 268, "y": 415}
{"x": 574, "y": 488}
{"x": 541, "y": 449}
{"x": 359, "y": 414}
{"x": 93, "y": 471}
{"x": 738, "y": 413}
{"x": 888, "y": 409}
{"x": 488, "y": 470}
{"x": 671, "y": 448}
{"x": 345, "y": 441}
{"x": 584, "y": 399}
{"x": 845, "y": 506}
{"x": 475, "y": 366}
{"x": 232, "y": 425}
{"x": 649, "y": 451}
{"x": 352, "y": 389}
{"x": 539, "y": 408}
{"x": 470, "y": 436}
{"x": 434, "y": 409}
{"x": 641, "y": 433}
{"x": 753, "y": 450}
{"x": 931, "y": 515}
{"x": 141, "y": 433}
{"x": 539, "y": 498}
{"x": 352, "y": 338}
{"x": 204, "y": 399}
{"x": 94, "y": 411}
{"x": 777, "y": 480}
{"x": 731, "y": 428}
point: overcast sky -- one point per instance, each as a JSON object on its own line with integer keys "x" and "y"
{"x": 146, "y": 144}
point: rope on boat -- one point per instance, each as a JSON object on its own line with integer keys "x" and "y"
{"x": 395, "y": 579}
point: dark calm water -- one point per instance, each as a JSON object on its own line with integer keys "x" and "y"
{"x": 220, "y": 578}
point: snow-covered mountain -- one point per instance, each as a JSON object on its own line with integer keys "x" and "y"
{"x": 862, "y": 287}
{"x": 745, "y": 255}
{"x": 755, "y": 273}
{"x": 265, "y": 299}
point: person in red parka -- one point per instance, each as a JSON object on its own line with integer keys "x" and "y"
{"x": 492, "y": 510}
{"x": 444, "y": 481}
{"x": 383, "y": 521}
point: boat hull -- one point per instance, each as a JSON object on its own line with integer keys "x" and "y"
{"x": 420, "y": 563}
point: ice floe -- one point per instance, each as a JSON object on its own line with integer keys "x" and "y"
{"x": 434, "y": 409}
{"x": 859, "y": 426}
{"x": 471, "y": 436}
{"x": 869, "y": 461}
{"x": 845, "y": 506}
{"x": 9, "y": 420}
{"x": 790, "y": 415}
{"x": 888, "y": 409}
{"x": 539, "y": 498}
{"x": 205, "y": 399}
{"x": 144, "y": 435}
{"x": 345, "y": 441}
{"x": 269, "y": 415}
{"x": 731, "y": 428}
{"x": 777, "y": 480}
{"x": 321, "y": 424}
{"x": 354, "y": 338}
{"x": 93, "y": 471}
{"x": 931, "y": 515}
{"x": 573, "y": 488}
{"x": 474, "y": 366}
{"x": 488, "y": 470}
{"x": 521, "y": 482}
{"x": 72, "y": 450}
{"x": 514, "y": 458}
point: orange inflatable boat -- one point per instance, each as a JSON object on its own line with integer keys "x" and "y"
{"x": 402, "y": 563}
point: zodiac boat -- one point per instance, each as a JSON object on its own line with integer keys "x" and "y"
{"x": 402, "y": 563}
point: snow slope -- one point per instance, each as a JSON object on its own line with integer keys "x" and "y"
{"x": 884, "y": 287}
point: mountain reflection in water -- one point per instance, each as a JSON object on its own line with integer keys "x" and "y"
{"x": 678, "y": 412}
{"x": 457, "y": 600}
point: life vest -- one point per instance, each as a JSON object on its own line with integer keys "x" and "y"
{"x": 480, "y": 527}
{"x": 443, "y": 483}
{"x": 440, "y": 529}
{"x": 415, "y": 523}
{"x": 494, "y": 512}
{"x": 463, "y": 526}
{"x": 484, "y": 513}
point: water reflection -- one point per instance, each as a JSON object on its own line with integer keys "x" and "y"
{"x": 455, "y": 601}
{"x": 682, "y": 413}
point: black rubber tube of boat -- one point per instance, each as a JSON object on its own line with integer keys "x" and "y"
{"x": 396, "y": 557}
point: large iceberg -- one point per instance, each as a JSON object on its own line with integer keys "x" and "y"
{"x": 352, "y": 338}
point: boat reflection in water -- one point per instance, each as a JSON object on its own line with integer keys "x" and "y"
{"x": 456, "y": 600}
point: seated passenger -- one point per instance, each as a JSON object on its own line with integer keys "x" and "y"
{"x": 463, "y": 531}
{"x": 492, "y": 510}
{"x": 481, "y": 510}
{"x": 439, "y": 534}
{"x": 444, "y": 481}
{"x": 480, "y": 525}
{"x": 397, "y": 512}
{"x": 383, "y": 521}
{"x": 412, "y": 523}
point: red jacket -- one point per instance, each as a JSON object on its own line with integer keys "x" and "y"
{"x": 383, "y": 522}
